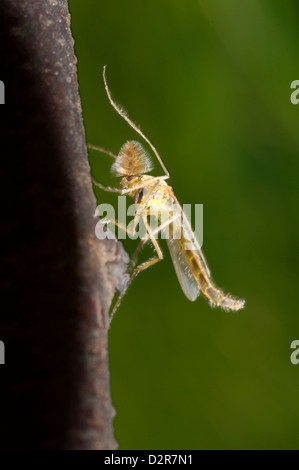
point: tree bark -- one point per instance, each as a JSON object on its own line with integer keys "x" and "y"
{"x": 56, "y": 279}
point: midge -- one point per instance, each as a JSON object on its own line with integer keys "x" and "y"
{"x": 155, "y": 197}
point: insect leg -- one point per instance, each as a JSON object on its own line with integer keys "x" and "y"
{"x": 125, "y": 116}
{"x": 142, "y": 185}
{"x": 118, "y": 190}
{"x": 102, "y": 150}
{"x": 142, "y": 266}
{"x": 150, "y": 236}
{"x": 107, "y": 188}
{"x": 118, "y": 224}
{"x": 136, "y": 271}
{"x": 96, "y": 183}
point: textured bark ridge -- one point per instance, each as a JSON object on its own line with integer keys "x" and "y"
{"x": 56, "y": 279}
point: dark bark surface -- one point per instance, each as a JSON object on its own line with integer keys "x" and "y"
{"x": 56, "y": 279}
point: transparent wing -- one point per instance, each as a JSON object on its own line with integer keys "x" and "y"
{"x": 190, "y": 240}
{"x": 186, "y": 254}
{"x": 191, "y": 267}
{"x": 184, "y": 274}
{"x": 177, "y": 239}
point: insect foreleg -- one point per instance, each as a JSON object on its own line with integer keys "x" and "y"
{"x": 107, "y": 188}
{"x": 144, "y": 184}
{"x": 102, "y": 150}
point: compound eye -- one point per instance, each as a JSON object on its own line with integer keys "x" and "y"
{"x": 129, "y": 178}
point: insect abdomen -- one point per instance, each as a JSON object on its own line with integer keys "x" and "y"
{"x": 208, "y": 288}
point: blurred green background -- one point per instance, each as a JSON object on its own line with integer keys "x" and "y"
{"x": 209, "y": 84}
